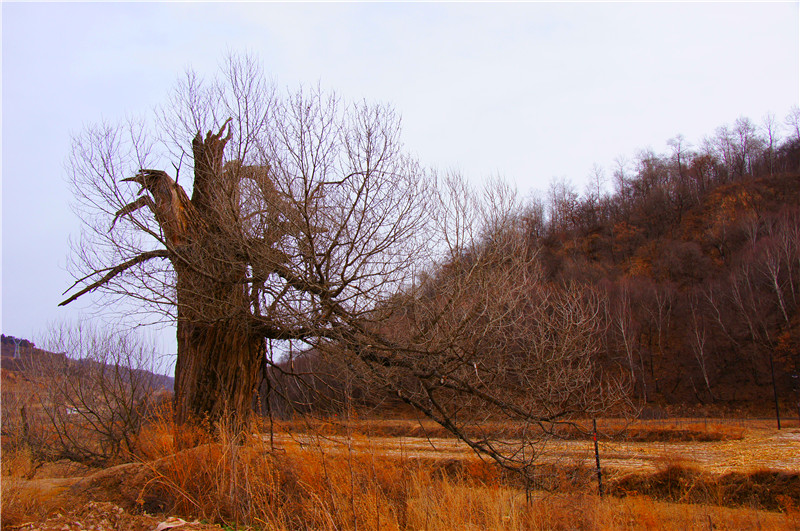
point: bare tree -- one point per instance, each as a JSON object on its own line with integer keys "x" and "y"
{"x": 679, "y": 185}
{"x": 492, "y": 351}
{"x": 792, "y": 121}
{"x": 627, "y": 330}
{"x": 737, "y": 147}
{"x": 92, "y": 390}
{"x": 562, "y": 199}
{"x": 304, "y": 213}
{"x": 307, "y": 225}
{"x": 749, "y": 144}
{"x": 698, "y": 339}
{"x": 660, "y": 313}
{"x": 680, "y": 152}
{"x": 771, "y": 130}
{"x": 778, "y": 261}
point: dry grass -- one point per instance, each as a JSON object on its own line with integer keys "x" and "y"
{"x": 18, "y": 461}
{"x": 687, "y": 430}
{"x": 303, "y": 484}
{"x": 17, "y": 505}
{"x": 25, "y": 500}
{"x": 765, "y": 489}
{"x": 690, "y": 432}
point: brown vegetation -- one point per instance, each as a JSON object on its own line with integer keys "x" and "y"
{"x": 765, "y": 489}
{"x": 317, "y": 270}
{"x": 247, "y": 484}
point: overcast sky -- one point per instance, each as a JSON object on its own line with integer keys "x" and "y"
{"x": 526, "y": 91}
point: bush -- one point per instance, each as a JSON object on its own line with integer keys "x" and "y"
{"x": 91, "y": 391}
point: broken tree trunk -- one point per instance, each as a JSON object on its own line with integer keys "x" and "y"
{"x": 219, "y": 356}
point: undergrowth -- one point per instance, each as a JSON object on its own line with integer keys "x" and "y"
{"x": 246, "y": 482}
{"x": 243, "y": 482}
{"x": 763, "y": 489}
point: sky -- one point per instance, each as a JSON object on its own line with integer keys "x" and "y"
{"x": 528, "y": 92}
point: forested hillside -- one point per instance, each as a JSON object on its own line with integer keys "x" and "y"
{"x": 694, "y": 255}
{"x": 699, "y": 253}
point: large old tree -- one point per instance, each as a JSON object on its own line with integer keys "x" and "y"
{"x": 303, "y": 213}
{"x": 306, "y": 222}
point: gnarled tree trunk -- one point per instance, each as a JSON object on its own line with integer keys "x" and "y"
{"x": 219, "y": 366}
{"x": 219, "y": 356}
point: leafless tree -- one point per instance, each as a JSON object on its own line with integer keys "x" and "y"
{"x": 680, "y": 153}
{"x": 92, "y": 390}
{"x": 792, "y": 121}
{"x": 304, "y": 213}
{"x": 755, "y": 302}
{"x": 307, "y": 223}
{"x": 492, "y": 351}
{"x": 698, "y": 339}
{"x": 627, "y": 330}
{"x": 778, "y": 260}
{"x": 660, "y": 313}
{"x": 771, "y": 130}
{"x": 737, "y": 147}
{"x": 750, "y": 143}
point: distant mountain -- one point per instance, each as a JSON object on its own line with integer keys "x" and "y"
{"x": 27, "y": 356}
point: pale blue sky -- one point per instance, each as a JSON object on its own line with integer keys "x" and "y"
{"x": 527, "y": 91}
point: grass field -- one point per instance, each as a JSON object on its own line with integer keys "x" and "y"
{"x": 679, "y": 474}
{"x": 644, "y": 446}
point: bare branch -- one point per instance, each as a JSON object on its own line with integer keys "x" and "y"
{"x": 143, "y": 201}
{"x": 116, "y": 270}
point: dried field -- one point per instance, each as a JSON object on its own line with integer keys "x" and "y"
{"x": 713, "y": 446}
{"x": 390, "y": 475}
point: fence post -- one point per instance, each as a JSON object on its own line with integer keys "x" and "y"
{"x": 597, "y": 458}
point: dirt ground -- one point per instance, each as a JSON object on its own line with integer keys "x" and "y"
{"x": 105, "y": 516}
{"x": 60, "y": 498}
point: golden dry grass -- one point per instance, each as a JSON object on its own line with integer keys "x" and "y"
{"x": 672, "y": 430}
{"x": 310, "y": 488}
{"x": 646, "y": 447}
{"x": 321, "y": 481}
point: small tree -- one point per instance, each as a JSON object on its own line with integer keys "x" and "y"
{"x": 93, "y": 388}
{"x": 490, "y": 349}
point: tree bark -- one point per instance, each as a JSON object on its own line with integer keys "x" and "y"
{"x": 220, "y": 356}
{"x": 219, "y": 367}
{"x": 221, "y": 348}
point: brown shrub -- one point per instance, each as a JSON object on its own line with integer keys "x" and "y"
{"x": 762, "y": 489}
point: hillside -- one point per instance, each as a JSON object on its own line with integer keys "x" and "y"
{"x": 696, "y": 256}
{"x": 699, "y": 254}
{"x": 44, "y": 393}
{"x": 30, "y": 356}
{"x": 704, "y": 300}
